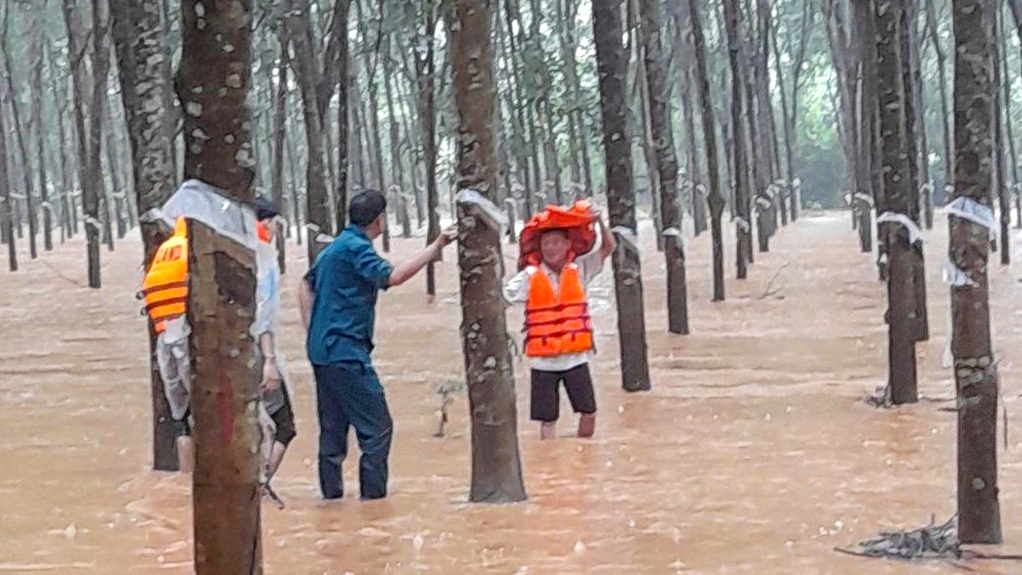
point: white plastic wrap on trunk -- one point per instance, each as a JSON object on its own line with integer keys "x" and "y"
{"x": 969, "y": 209}
{"x": 487, "y": 209}
{"x": 204, "y": 203}
{"x": 914, "y": 233}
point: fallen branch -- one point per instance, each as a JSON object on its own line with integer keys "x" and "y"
{"x": 930, "y": 542}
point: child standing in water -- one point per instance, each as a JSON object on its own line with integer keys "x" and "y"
{"x": 559, "y": 333}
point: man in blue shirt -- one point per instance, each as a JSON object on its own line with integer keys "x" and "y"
{"x": 338, "y": 300}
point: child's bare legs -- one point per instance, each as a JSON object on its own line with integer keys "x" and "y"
{"x": 548, "y": 430}
{"x": 587, "y": 425}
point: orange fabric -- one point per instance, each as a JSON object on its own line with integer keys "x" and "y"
{"x": 263, "y": 231}
{"x": 166, "y": 283}
{"x": 577, "y": 220}
{"x": 557, "y": 323}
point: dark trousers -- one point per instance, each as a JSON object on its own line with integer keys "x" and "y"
{"x": 350, "y": 394}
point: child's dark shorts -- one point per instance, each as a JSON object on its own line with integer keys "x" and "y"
{"x": 546, "y": 398}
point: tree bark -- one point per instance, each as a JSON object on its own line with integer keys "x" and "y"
{"x": 976, "y": 378}
{"x": 1009, "y": 123}
{"x": 496, "y": 468}
{"x": 666, "y": 162}
{"x": 945, "y": 107}
{"x": 743, "y": 221}
{"x": 19, "y": 134}
{"x": 900, "y": 285}
{"x": 213, "y": 84}
{"x": 280, "y": 136}
{"x": 6, "y": 202}
{"x": 139, "y": 37}
{"x": 907, "y": 22}
{"x": 1001, "y": 188}
{"x": 684, "y": 56}
{"x": 425, "y": 68}
{"x": 37, "y": 122}
{"x": 612, "y": 70}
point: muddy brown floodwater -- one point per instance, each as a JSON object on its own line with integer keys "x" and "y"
{"x": 752, "y": 454}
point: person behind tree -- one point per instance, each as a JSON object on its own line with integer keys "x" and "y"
{"x": 165, "y": 290}
{"x": 559, "y": 258}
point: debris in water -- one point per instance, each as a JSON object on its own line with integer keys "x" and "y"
{"x": 418, "y": 542}
{"x": 930, "y": 542}
{"x": 580, "y": 548}
{"x": 70, "y": 531}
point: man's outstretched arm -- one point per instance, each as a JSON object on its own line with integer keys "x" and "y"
{"x": 407, "y": 270}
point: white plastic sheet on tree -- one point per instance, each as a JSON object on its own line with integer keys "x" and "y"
{"x": 914, "y": 233}
{"x": 969, "y": 209}
{"x": 489, "y": 211}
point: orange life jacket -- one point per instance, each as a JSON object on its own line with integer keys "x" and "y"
{"x": 165, "y": 287}
{"x": 557, "y": 323}
{"x": 576, "y": 220}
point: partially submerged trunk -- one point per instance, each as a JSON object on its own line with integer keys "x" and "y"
{"x": 613, "y": 68}
{"x": 666, "y": 163}
{"x": 743, "y": 219}
{"x": 144, "y": 72}
{"x": 975, "y": 369}
{"x": 496, "y": 467}
{"x": 901, "y": 310}
{"x": 213, "y": 85}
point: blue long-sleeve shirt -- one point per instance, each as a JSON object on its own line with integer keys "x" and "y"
{"x": 346, "y": 279}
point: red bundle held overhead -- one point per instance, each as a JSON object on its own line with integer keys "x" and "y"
{"x": 577, "y": 220}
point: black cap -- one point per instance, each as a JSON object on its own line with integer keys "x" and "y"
{"x": 265, "y": 208}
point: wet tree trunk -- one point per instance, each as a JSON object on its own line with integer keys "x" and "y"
{"x": 782, "y": 198}
{"x": 514, "y": 22}
{"x": 318, "y": 219}
{"x": 340, "y": 78}
{"x": 226, "y": 491}
{"x": 896, "y": 178}
{"x": 906, "y": 24}
{"x": 1009, "y": 124}
{"x": 1001, "y": 189}
{"x": 425, "y": 69}
{"x": 658, "y": 77}
{"x": 280, "y": 137}
{"x": 396, "y": 162}
{"x": 684, "y": 58}
{"x": 976, "y": 378}
{"x": 743, "y": 221}
{"x": 59, "y": 107}
{"x": 919, "y": 107}
{"x": 19, "y": 134}
{"x": 496, "y": 467}
{"x": 866, "y": 128}
{"x": 6, "y": 203}
{"x": 612, "y": 66}
{"x": 945, "y": 107}
{"x": 37, "y": 105}
{"x": 144, "y": 71}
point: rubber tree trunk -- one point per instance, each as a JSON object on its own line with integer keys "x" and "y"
{"x": 425, "y": 67}
{"x": 226, "y": 491}
{"x": 1009, "y": 123}
{"x": 496, "y": 467}
{"x": 979, "y": 516}
{"x": 684, "y": 55}
{"x": 612, "y": 66}
{"x": 743, "y": 221}
{"x": 144, "y": 71}
{"x": 1001, "y": 189}
{"x": 919, "y": 319}
{"x": 19, "y": 134}
{"x": 945, "y": 106}
{"x": 658, "y": 77}
{"x": 37, "y": 105}
{"x": 6, "y": 205}
{"x": 279, "y": 138}
{"x": 894, "y": 167}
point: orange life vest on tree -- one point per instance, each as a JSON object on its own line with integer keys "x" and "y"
{"x": 557, "y": 323}
{"x": 165, "y": 287}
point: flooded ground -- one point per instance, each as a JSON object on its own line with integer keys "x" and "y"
{"x": 752, "y": 454}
